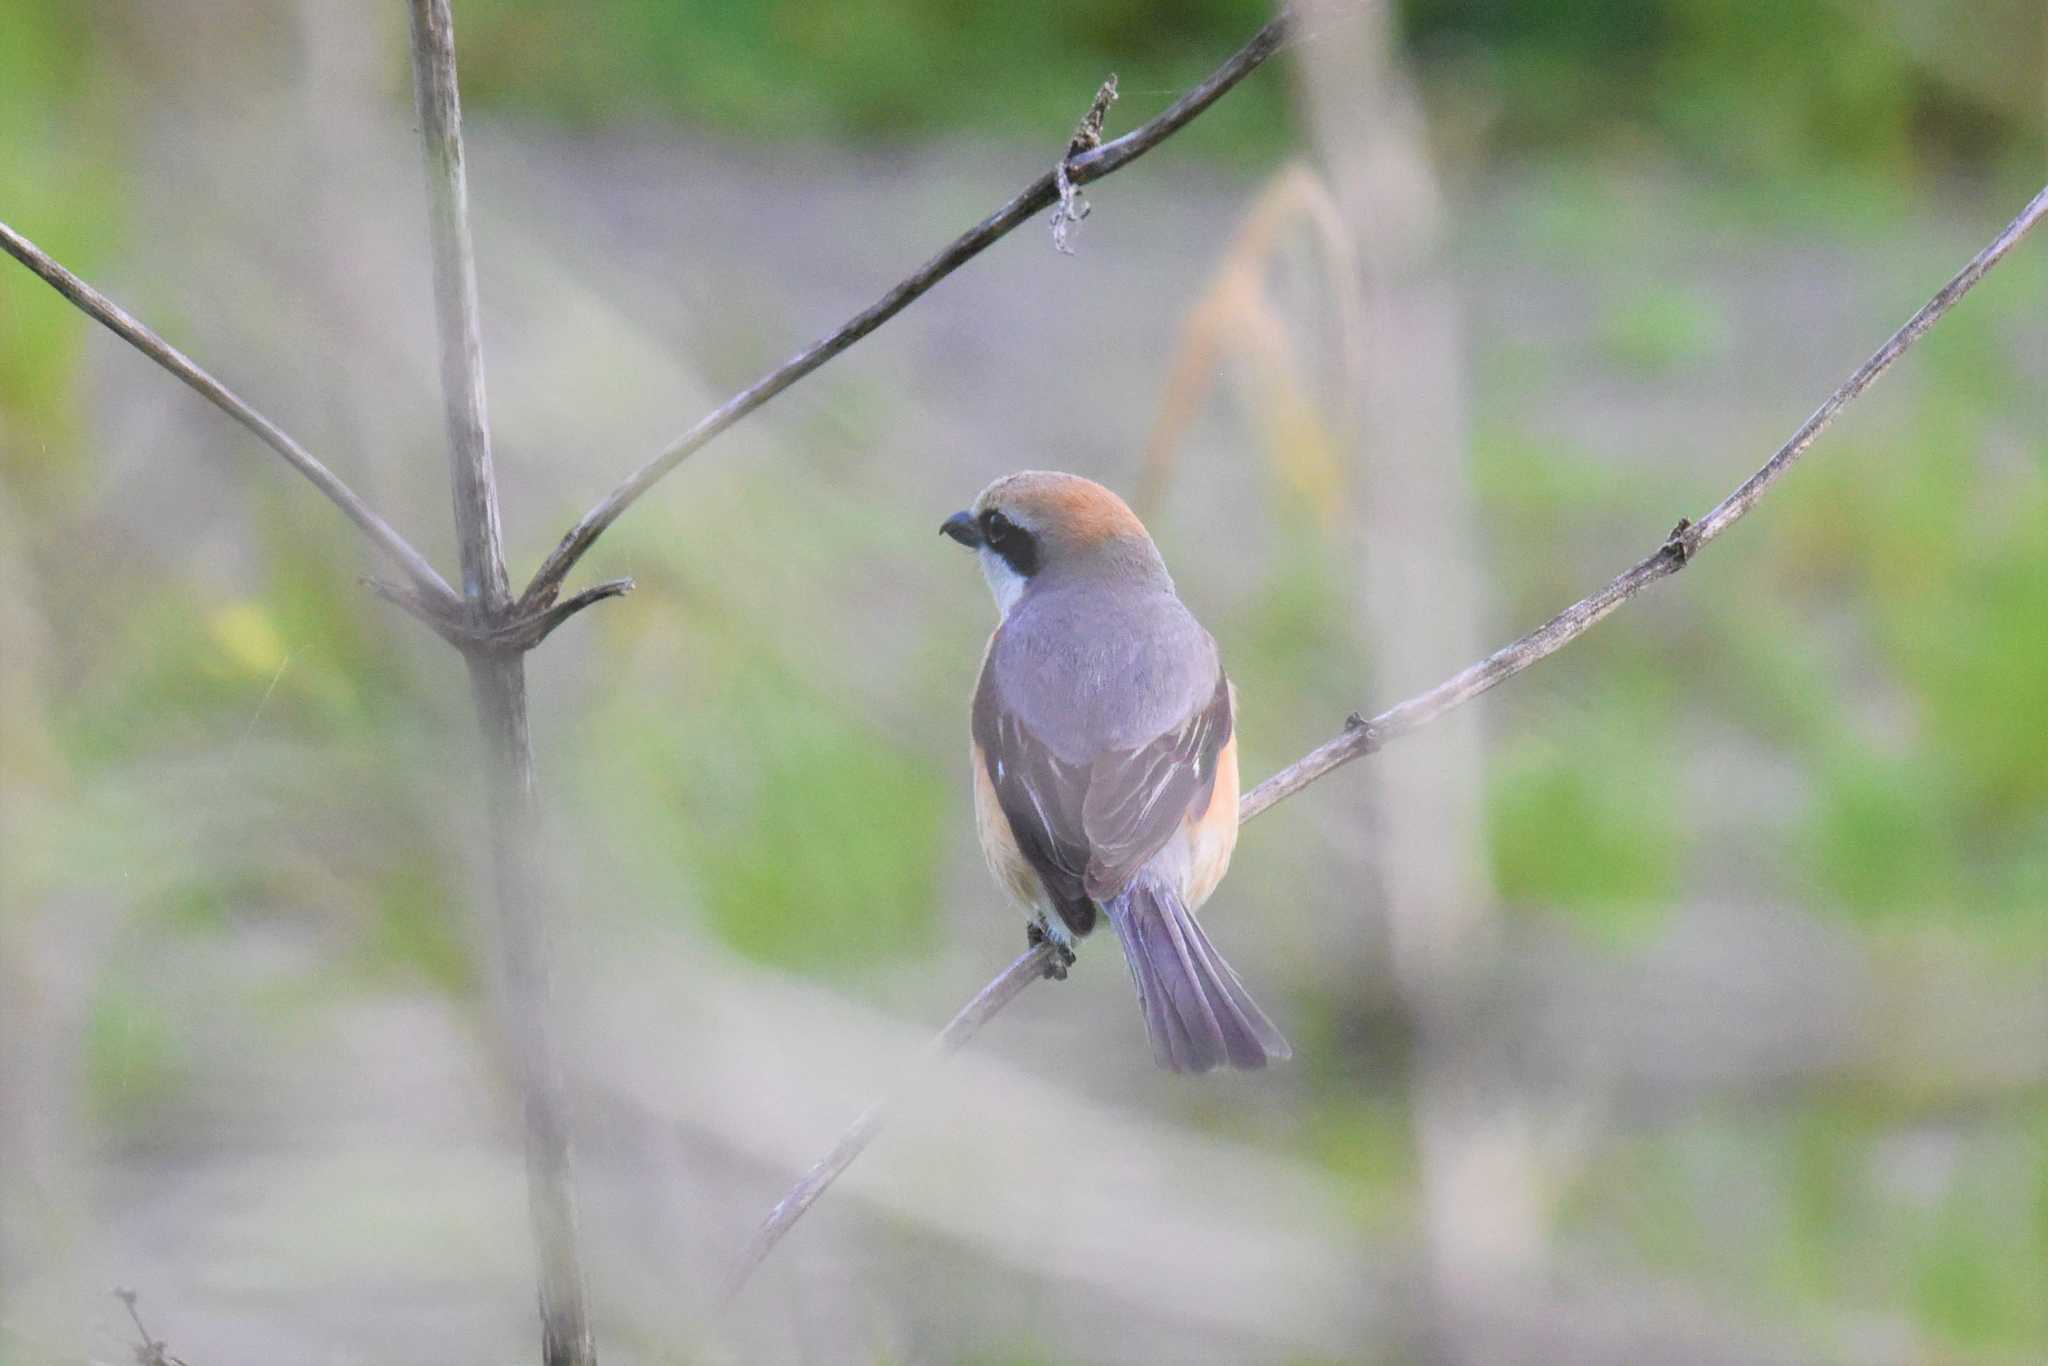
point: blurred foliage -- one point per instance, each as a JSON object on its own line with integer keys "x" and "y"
{"x": 136, "y": 1055}
{"x": 46, "y": 56}
{"x": 1939, "y": 796}
{"x": 865, "y": 70}
{"x": 1661, "y": 329}
{"x": 1853, "y": 1209}
{"x": 1368, "y": 1144}
{"x": 746, "y": 782}
{"x": 1757, "y": 86}
{"x": 1588, "y": 826}
{"x": 1891, "y": 633}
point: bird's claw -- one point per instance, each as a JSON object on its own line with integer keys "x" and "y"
{"x": 1062, "y": 956}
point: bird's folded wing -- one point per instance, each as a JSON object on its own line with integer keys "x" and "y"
{"x": 1138, "y": 798}
{"x": 1087, "y": 828}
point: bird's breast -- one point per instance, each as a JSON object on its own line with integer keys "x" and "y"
{"x": 1210, "y": 835}
{"x": 1012, "y": 871}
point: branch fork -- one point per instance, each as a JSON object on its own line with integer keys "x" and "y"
{"x": 513, "y": 630}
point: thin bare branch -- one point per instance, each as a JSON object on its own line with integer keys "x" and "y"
{"x": 150, "y": 1351}
{"x": 1687, "y": 539}
{"x": 1731, "y": 509}
{"x": 543, "y": 623}
{"x": 446, "y": 620}
{"x": 1361, "y": 736}
{"x": 1040, "y": 193}
{"x": 1008, "y": 985}
{"x": 498, "y": 682}
{"x": 128, "y": 328}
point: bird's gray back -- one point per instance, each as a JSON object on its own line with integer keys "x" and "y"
{"x": 1091, "y": 672}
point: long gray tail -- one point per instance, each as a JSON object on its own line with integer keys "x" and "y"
{"x": 1196, "y": 1010}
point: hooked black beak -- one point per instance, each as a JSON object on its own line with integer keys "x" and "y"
{"x": 962, "y": 527}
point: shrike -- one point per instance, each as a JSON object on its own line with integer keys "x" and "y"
{"x": 1105, "y": 756}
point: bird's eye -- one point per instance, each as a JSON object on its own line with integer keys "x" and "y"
{"x": 1017, "y": 546}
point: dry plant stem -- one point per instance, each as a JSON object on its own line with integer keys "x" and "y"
{"x": 474, "y": 482}
{"x": 1029, "y": 967}
{"x": 428, "y": 584}
{"x": 498, "y": 680}
{"x": 1039, "y": 194}
{"x": 1361, "y": 736}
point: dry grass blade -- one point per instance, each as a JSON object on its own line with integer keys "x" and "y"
{"x": 1236, "y": 320}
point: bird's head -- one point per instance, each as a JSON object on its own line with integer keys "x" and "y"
{"x": 1037, "y": 528}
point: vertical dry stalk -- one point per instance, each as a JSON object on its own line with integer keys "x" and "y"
{"x": 523, "y": 1005}
{"x": 455, "y": 309}
{"x": 1481, "y": 1215}
{"x": 1236, "y": 320}
{"x": 498, "y": 680}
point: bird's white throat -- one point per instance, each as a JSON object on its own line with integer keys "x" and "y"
{"x": 1005, "y": 583}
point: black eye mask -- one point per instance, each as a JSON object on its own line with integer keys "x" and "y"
{"x": 1018, "y": 547}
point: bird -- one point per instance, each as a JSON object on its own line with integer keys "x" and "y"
{"x": 1104, "y": 750}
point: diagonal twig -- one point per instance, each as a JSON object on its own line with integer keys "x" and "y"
{"x": 150, "y": 1351}
{"x": 97, "y": 306}
{"x": 1029, "y": 967}
{"x": 1687, "y": 539}
{"x": 1080, "y": 170}
{"x": 540, "y": 625}
{"x": 1361, "y": 736}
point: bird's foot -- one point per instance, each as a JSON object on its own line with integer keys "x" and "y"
{"x": 1062, "y": 955}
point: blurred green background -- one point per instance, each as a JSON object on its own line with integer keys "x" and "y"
{"x": 238, "y": 830}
